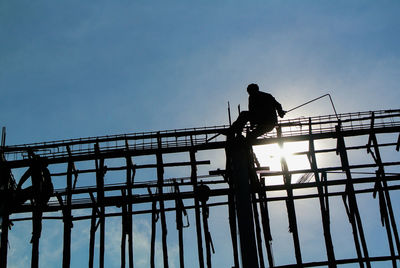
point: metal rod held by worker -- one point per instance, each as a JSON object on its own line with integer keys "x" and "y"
{"x": 229, "y": 114}
{"x": 334, "y": 109}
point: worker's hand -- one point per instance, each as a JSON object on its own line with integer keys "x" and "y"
{"x": 282, "y": 113}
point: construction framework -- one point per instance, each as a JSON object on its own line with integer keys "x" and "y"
{"x": 242, "y": 183}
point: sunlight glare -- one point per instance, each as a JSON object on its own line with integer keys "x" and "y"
{"x": 270, "y": 156}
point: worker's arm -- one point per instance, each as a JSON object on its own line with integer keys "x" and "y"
{"x": 278, "y": 107}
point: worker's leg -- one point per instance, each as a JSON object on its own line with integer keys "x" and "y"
{"x": 238, "y": 125}
{"x": 260, "y": 130}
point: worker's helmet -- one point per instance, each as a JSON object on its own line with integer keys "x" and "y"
{"x": 252, "y": 88}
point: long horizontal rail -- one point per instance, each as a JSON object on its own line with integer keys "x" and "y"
{"x": 110, "y": 201}
{"x": 118, "y": 153}
{"x": 184, "y": 139}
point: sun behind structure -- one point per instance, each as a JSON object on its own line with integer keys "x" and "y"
{"x": 270, "y": 156}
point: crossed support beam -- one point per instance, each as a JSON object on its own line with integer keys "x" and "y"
{"x": 350, "y": 202}
{"x": 98, "y": 211}
{"x": 287, "y": 180}
{"x": 381, "y": 188}
{"x": 246, "y": 201}
{"x": 7, "y": 184}
{"x": 323, "y": 200}
{"x": 127, "y": 211}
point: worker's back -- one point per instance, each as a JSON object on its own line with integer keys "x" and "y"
{"x": 262, "y": 107}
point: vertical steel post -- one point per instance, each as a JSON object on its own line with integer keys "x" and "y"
{"x": 92, "y": 233}
{"x": 130, "y": 175}
{"x": 5, "y": 178}
{"x": 160, "y": 182}
{"x": 323, "y": 206}
{"x": 385, "y": 200}
{"x": 196, "y": 208}
{"x": 100, "y": 172}
{"x": 179, "y": 223}
{"x": 153, "y": 233}
{"x": 237, "y": 153}
{"x": 67, "y": 217}
{"x": 36, "y": 229}
{"x": 37, "y": 212}
{"x": 233, "y": 227}
{"x": 287, "y": 178}
{"x": 265, "y": 223}
{"x": 4, "y": 238}
{"x": 258, "y": 230}
{"x": 124, "y": 228}
{"x": 353, "y": 213}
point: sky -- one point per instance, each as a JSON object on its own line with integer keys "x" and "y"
{"x": 71, "y": 69}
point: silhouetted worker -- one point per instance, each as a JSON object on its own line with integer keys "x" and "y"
{"x": 39, "y": 193}
{"x": 261, "y": 114}
{"x": 42, "y": 187}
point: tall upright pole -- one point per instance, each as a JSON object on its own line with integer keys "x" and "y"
{"x": 238, "y": 165}
{"x": 323, "y": 206}
{"x": 197, "y": 208}
{"x": 287, "y": 178}
{"x": 5, "y": 177}
{"x": 352, "y": 210}
{"x": 160, "y": 182}
{"x": 100, "y": 172}
{"x": 67, "y": 220}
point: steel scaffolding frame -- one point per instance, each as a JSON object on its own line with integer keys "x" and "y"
{"x": 243, "y": 183}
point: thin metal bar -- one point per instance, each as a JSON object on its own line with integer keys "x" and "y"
{"x": 154, "y": 218}
{"x": 3, "y": 137}
{"x": 265, "y": 223}
{"x": 290, "y": 205}
{"x": 124, "y": 229}
{"x": 92, "y": 235}
{"x": 130, "y": 175}
{"x": 258, "y": 230}
{"x": 36, "y": 230}
{"x": 323, "y": 203}
{"x": 160, "y": 179}
{"x": 233, "y": 228}
{"x": 100, "y": 200}
{"x": 388, "y": 209}
{"x": 179, "y": 225}
{"x": 384, "y": 216}
{"x": 5, "y": 178}
{"x": 197, "y": 208}
{"x": 353, "y": 212}
{"x": 205, "y": 211}
{"x": 67, "y": 220}
{"x": 330, "y": 98}
{"x": 4, "y": 239}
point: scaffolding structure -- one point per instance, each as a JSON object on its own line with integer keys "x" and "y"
{"x": 242, "y": 183}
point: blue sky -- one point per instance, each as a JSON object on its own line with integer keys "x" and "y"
{"x": 87, "y": 68}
